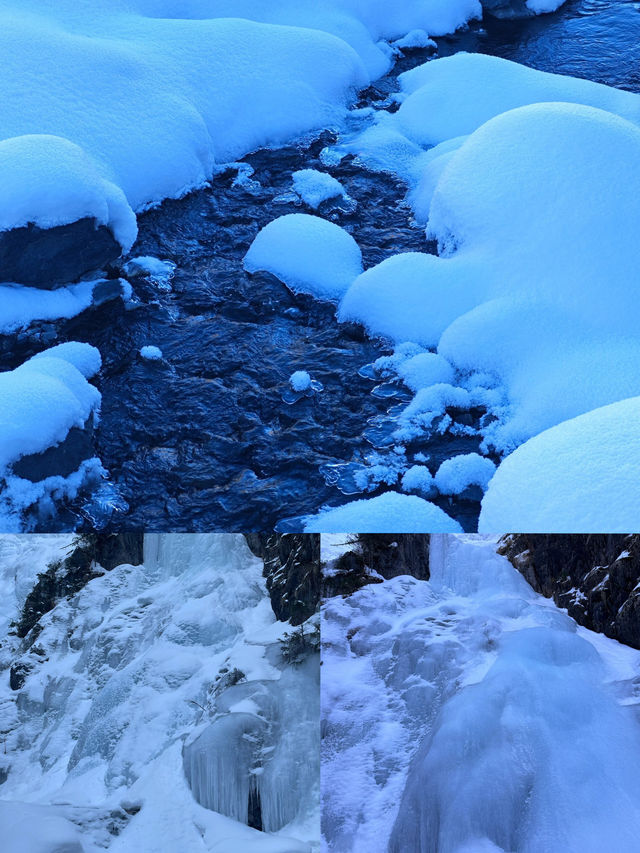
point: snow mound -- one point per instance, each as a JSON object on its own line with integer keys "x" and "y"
{"x": 486, "y": 86}
{"x": 314, "y": 187}
{"x": 579, "y": 476}
{"x": 50, "y": 181}
{"x": 45, "y": 397}
{"x": 389, "y": 512}
{"x": 459, "y": 472}
{"x": 300, "y": 380}
{"x": 424, "y": 369}
{"x": 307, "y": 253}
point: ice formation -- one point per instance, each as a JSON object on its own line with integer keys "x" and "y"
{"x": 467, "y": 713}
{"x": 145, "y": 669}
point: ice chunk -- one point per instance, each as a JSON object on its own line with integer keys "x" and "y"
{"x": 308, "y": 254}
{"x": 389, "y": 512}
{"x": 151, "y": 353}
{"x": 300, "y": 380}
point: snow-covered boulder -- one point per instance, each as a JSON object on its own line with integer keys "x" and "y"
{"x": 390, "y": 512}
{"x": 59, "y": 217}
{"x": 307, "y": 253}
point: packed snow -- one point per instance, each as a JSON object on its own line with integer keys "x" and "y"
{"x": 124, "y": 719}
{"x": 308, "y": 253}
{"x": 467, "y": 713}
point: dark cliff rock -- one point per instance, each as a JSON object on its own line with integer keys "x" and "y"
{"x": 67, "y": 576}
{"x": 292, "y": 572}
{"x": 375, "y": 556}
{"x": 596, "y": 577}
{"x": 50, "y": 257}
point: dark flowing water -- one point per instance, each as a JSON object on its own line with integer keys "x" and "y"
{"x": 204, "y": 439}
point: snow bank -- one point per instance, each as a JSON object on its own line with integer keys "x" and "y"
{"x": 389, "y": 512}
{"x": 45, "y": 397}
{"x": 308, "y": 254}
{"x": 579, "y": 476}
{"x": 30, "y": 828}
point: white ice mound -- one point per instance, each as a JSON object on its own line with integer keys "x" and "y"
{"x": 45, "y": 397}
{"x": 486, "y": 86}
{"x": 49, "y": 181}
{"x": 386, "y": 513}
{"x": 579, "y": 476}
{"x": 307, "y": 253}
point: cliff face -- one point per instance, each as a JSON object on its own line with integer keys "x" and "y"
{"x": 596, "y": 577}
{"x": 292, "y": 572}
{"x": 78, "y": 568}
{"x": 375, "y": 556}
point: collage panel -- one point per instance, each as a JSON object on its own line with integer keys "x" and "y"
{"x": 159, "y": 693}
{"x": 480, "y": 694}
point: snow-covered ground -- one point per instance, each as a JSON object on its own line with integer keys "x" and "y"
{"x": 158, "y": 698}
{"x": 468, "y": 714}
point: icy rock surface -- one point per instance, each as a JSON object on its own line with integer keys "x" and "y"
{"x": 469, "y": 713}
{"x": 140, "y": 661}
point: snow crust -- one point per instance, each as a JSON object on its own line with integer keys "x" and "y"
{"x": 308, "y": 254}
{"x": 467, "y": 713}
{"x": 390, "y": 512}
{"x": 139, "y": 666}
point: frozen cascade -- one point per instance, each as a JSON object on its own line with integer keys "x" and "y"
{"x": 134, "y": 666}
{"x": 270, "y": 752}
{"x": 491, "y": 722}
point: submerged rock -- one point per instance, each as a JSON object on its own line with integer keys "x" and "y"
{"x": 50, "y": 257}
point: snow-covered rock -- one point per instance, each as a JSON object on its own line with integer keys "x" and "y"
{"x": 386, "y": 513}
{"x": 308, "y": 254}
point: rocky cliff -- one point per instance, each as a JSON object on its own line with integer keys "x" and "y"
{"x": 292, "y": 572}
{"x": 596, "y": 577}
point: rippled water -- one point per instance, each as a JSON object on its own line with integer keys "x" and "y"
{"x": 204, "y": 439}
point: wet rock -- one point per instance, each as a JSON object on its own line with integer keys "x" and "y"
{"x": 596, "y": 577}
{"x": 50, "y": 257}
{"x": 292, "y": 571}
{"x": 509, "y": 10}
{"x": 62, "y": 460}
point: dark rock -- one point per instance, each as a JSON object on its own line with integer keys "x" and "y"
{"x": 391, "y": 554}
{"x": 66, "y": 577}
{"x": 292, "y": 571}
{"x": 18, "y": 674}
{"x": 507, "y": 10}
{"x": 596, "y": 577}
{"x": 61, "y": 460}
{"x": 376, "y": 556}
{"x": 50, "y": 257}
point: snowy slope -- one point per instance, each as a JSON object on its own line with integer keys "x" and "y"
{"x": 467, "y": 713}
{"x": 123, "y": 730}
